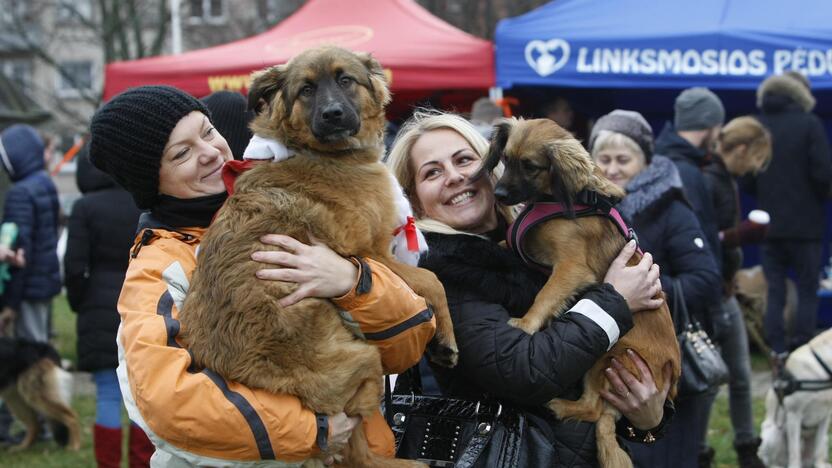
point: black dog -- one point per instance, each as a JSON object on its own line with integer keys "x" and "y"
{"x": 32, "y": 382}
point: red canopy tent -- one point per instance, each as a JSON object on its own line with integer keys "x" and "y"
{"x": 421, "y": 53}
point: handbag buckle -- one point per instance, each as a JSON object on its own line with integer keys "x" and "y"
{"x": 399, "y": 419}
{"x": 483, "y": 428}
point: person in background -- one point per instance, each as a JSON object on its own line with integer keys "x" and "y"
{"x": 621, "y": 144}
{"x": 32, "y": 204}
{"x": 231, "y": 116}
{"x": 100, "y": 233}
{"x": 743, "y": 147}
{"x": 560, "y": 111}
{"x": 484, "y": 113}
{"x": 435, "y": 158}
{"x": 698, "y": 116}
{"x": 793, "y": 190}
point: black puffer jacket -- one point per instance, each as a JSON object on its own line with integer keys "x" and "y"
{"x": 667, "y": 228}
{"x": 690, "y": 161}
{"x": 32, "y": 204}
{"x": 102, "y": 228}
{"x": 486, "y": 285}
{"x": 794, "y": 187}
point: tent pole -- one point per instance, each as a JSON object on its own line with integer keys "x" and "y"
{"x": 175, "y": 27}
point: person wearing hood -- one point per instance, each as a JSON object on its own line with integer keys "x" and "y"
{"x": 32, "y": 204}
{"x": 621, "y": 144}
{"x": 792, "y": 190}
{"x": 100, "y": 233}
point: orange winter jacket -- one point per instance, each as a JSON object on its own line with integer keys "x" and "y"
{"x": 201, "y": 419}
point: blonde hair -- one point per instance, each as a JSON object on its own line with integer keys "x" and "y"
{"x": 399, "y": 160}
{"x": 750, "y": 132}
{"x": 607, "y": 139}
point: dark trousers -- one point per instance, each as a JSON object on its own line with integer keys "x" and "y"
{"x": 804, "y": 256}
{"x": 683, "y": 439}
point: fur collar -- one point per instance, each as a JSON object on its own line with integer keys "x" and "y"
{"x": 784, "y": 87}
{"x": 658, "y": 181}
{"x": 480, "y": 267}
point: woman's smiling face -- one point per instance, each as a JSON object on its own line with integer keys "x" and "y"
{"x": 443, "y": 163}
{"x": 192, "y": 160}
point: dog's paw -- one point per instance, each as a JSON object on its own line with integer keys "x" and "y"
{"x": 443, "y": 354}
{"x": 523, "y": 325}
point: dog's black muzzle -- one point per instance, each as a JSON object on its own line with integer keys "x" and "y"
{"x": 335, "y": 122}
{"x": 510, "y": 195}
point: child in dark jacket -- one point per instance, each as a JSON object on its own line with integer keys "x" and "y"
{"x": 32, "y": 204}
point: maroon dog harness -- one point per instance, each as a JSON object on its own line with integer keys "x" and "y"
{"x": 590, "y": 204}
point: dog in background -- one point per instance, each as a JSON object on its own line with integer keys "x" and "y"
{"x": 752, "y": 296}
{"x": 32, "y": 382}
{"x": 795, "y": 433}
{"x": 327, "y": 105}
{"x": 544, "y": 161}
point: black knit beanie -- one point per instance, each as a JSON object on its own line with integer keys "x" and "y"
{"x": 129, "y": 134}
{"x": 230, "y": 116}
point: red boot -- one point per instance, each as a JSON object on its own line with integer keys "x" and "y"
{"x": 107, "y": 443}
{"x": 141, "y": 448}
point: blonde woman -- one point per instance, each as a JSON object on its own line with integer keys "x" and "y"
{"x": 434, "y": 158}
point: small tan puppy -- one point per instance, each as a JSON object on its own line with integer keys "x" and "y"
{"x": 542, "y": 160}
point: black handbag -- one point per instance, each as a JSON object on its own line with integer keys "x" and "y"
{"x": 702, "y": 364}
{"x": 450, "y": 432}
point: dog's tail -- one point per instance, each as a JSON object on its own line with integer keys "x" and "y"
{"x": 610, "y": 454}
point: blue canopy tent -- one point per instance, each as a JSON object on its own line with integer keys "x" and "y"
{"x": 638, "y": 54}
{"x": 723, "y": 44}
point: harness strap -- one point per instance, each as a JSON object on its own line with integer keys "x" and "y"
{"x": 538, "y": 212}
{"x": 821, "y": 362}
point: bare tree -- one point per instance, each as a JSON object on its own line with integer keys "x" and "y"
{"x": 122, "y": 29}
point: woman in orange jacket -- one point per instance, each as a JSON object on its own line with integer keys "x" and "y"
{"x": 158, "y": 142}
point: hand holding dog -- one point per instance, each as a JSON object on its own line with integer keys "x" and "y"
{"x": 317, "y": 269}
{"x": 637, "y": 398}
{"x": 638, "y": 284}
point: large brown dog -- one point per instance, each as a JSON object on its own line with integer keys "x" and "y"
{"x": 543, "y": 160}
{"x": 327, "y": 106}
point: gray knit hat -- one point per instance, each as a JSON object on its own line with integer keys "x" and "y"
{"x": 129, "y": 134}
{"x": 628, "y": 123}
{"x": 698, "y": 109}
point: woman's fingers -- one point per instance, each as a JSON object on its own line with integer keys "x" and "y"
{"x": 644, "y": 374}
{"x": 289, "y": 243}
{"x": 668, "y": 376}
{"x": 633, "y": 384}
{"x": 276, "y": 257}
{"x": 616, "y": 383}
{"x": 625, "y": 254}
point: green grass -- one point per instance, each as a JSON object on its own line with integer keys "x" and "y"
{"x": 47, "y": 454}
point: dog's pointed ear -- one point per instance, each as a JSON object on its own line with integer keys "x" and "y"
{"x": 377, "y": 79}
{"x": 499, "y": 139}
{"x": 264, "y": 85}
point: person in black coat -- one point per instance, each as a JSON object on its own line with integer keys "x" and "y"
{"x": 434, "y": 158}
{"x": 744, "y": 146}
{"x": 102, "y": 228}
{"x": 793, "y": 190}
{"x": 655, "y": 207}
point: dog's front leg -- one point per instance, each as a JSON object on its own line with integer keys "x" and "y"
{"x": 567, "y": 278}
{"x": 820, "y": 457}
{"x": 793, "y": 437}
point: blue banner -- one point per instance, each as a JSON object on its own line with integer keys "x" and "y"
{"x": 721, "y": 44}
